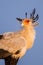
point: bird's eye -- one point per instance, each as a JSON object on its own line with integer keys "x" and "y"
{"x": 27, "y": 21}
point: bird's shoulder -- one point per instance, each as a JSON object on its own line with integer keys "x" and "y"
{"x": 12, "y": 41}
{"x": 8, "y": 35}
{"x": 16, "y": 37}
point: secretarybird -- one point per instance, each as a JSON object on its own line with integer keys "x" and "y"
{"x": 13, "y": 45}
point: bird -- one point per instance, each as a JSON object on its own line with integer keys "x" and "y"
{"x": 14, "y": 45}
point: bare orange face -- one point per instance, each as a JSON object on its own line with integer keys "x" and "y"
{"x": 26, "y": 22}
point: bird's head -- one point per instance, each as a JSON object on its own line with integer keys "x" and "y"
{"x": 29, "y": 21}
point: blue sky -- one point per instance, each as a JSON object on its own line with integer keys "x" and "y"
{"x": 9, "y": 10}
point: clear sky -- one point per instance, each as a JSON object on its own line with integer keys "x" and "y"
{"x": 9, "y": 10}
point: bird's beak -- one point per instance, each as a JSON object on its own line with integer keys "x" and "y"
{"x": 22, "y": 24}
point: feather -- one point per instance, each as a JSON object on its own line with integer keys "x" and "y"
{"x": 11, "y": 61}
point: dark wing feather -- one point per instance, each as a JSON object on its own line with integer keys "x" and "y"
{"x": 11, "y": 61}
{"x": 1, "y": 36}
{"x": 4, "y": 53}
